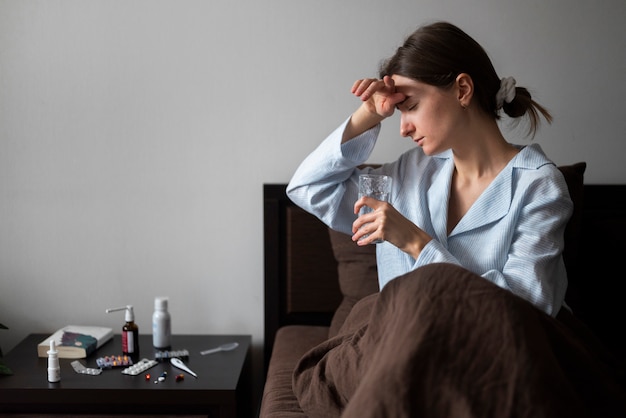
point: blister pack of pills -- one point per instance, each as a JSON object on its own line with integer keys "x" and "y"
{"x": 140, "y": 367}
{"x": 165, "y": 355}
{"x": 109, "y": 362}
{"x": 80, "y": 368}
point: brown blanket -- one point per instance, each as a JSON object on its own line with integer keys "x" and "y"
{"x": 443, "y": 342}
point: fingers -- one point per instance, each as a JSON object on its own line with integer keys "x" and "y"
{"x": 366, "y": 227}
{"x": 366, "y": 87}
{"x": 380, "y": 96}
{"x": 370, "y": 202}
{"x": 364, "y": 232}
{"x": 389, "y": 83}
{"x": 363, "y": 238}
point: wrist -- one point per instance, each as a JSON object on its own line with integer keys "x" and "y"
{"x": 361, "y": 120}
{"x": 416, "y": 246}
{"x": 367, "y": 116}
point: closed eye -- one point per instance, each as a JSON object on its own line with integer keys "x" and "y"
{"x": 402, "y": 107}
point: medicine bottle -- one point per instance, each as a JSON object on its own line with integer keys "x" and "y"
{"x": 161, "y": 324}
{"x": 54, "y": 370}
{"x": 130, "y": 332}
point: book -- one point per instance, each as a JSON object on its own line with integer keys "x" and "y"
{"x": 76, "y": 341}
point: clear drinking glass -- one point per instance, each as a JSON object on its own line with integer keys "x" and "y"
{"x": 377, "y": 186}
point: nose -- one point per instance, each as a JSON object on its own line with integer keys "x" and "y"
{"x": 405, "y": 127}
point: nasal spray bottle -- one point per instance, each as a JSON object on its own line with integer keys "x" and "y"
{"x": 130, "y": 332}
{"x": 54, "y": 371}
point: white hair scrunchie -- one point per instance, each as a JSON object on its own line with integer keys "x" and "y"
{"x": 506, "y": 92}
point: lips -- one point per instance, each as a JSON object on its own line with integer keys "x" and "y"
{"x": 419, "y": 140}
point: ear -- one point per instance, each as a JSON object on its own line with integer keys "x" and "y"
{"x": 465, "y": 89}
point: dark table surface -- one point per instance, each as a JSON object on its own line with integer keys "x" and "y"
{"x": 222, "y": 382}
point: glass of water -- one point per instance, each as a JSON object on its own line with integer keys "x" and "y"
{"x": 377, "y": 186}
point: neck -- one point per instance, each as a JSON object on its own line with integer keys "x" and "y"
{"x": 484, "y": 153}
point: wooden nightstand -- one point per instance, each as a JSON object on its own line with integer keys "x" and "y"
{"x": 222, "y": 388}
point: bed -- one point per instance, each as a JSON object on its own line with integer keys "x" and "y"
{"x": 335, "y": 346}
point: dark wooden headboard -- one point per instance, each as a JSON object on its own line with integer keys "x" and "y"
{"x": 301, "y": 284}
{"x": 602, "y": 250}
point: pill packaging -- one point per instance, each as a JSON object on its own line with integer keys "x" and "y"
{"x": 164, "y": 355}
{"x": 108, "y": 362}
{"x": 80, "y": 368}
{"x": 140, "y": 367}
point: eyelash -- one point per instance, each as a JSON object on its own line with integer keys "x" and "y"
{"x": 409, "y": 108}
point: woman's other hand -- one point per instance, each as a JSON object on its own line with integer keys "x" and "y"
{"x": 384, "y": 222}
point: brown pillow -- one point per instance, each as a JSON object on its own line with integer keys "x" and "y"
{"x": 358, "y": 275}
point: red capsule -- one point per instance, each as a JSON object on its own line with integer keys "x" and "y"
{"x": 180, "y": 377}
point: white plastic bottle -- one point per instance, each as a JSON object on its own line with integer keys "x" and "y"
{"x": 161, "y": 324}
{"x": 54, "y": 370}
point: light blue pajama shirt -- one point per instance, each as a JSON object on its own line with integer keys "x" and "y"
{"x": 513, "y": 235}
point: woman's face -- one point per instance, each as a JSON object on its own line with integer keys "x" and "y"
{"x": 429, "y": 115}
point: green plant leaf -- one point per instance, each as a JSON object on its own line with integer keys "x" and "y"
{"x": 4, "y": 369}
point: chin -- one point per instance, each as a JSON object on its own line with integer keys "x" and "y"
{"x": 428, "y": 151}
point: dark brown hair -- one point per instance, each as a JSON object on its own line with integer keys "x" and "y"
{"x": 436, "y": 54}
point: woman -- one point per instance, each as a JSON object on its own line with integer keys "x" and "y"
{"x": 466, "y": 205}
{"x": 465, "y": 194}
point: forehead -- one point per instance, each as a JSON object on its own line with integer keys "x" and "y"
{"x": 409, "y": 86}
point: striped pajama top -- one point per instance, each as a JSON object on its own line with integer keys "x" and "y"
{"x": 513, "y": 235}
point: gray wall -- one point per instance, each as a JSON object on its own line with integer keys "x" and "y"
{"x": 135, "y": 136}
